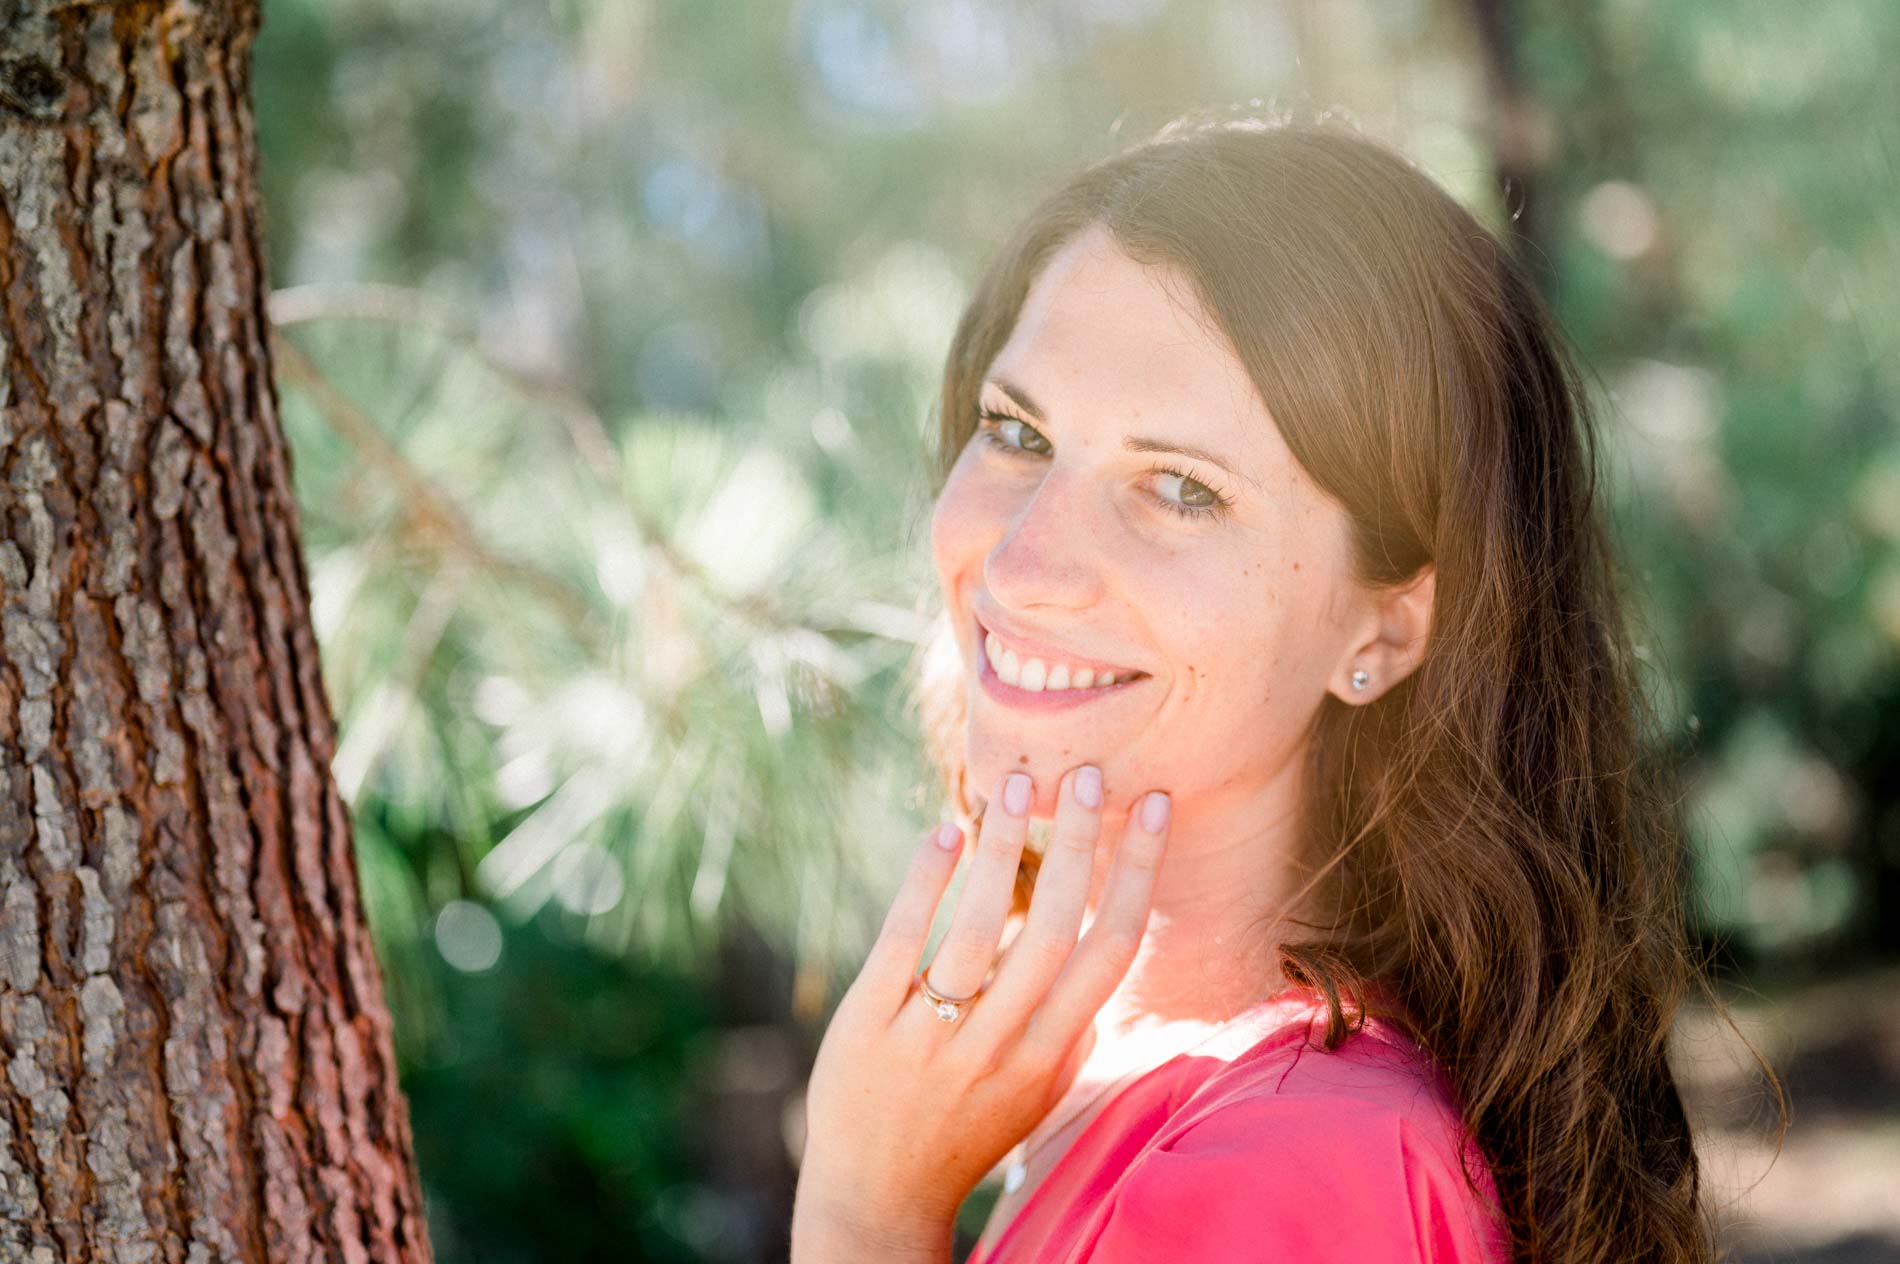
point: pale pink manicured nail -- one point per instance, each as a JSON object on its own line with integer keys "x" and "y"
{"x": 1088, "y": 786}
{"x": 1016, "y": 793}
{"x": 949, "y": 837}
{"x": 1154, "y": 812}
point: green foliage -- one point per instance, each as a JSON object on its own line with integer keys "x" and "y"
{"x": 563, "y": 1071}
{"x": 1728, "y": 263}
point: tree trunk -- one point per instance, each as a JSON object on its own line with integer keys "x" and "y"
{"x": 197, "y": 1056}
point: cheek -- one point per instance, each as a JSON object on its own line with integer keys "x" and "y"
{"x": 971, "y": 514}
{"x": 1229, "y": 660}
{"x": 952, "y": 523}
{"x": 1240, "y": 632}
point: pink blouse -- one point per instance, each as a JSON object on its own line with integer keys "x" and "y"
{"x": 1260, "y": 1146}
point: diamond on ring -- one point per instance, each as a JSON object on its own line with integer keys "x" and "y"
{"x": 948, "y": 1008}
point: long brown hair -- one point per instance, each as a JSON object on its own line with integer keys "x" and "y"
{"x": 1491, "y": 840}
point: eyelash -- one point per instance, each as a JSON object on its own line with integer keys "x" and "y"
{"x": 988, "y": 420}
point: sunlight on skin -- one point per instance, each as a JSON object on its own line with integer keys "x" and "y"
{"x": 1243, "y": 620}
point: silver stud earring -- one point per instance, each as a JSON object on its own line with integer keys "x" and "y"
{"x": 1360, "y": 678}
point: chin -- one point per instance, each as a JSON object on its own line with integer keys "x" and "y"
{"x": 987, "y": 761}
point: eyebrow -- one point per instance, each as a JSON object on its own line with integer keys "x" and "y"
{"x": 1134, "y": 443}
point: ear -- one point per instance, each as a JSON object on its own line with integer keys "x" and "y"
{"x": 1397, "y": 623}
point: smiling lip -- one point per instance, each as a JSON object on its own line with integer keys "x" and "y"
{"x": 1038, "y": 700}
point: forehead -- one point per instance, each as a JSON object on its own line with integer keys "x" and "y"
{"x": 1106, "y": 341}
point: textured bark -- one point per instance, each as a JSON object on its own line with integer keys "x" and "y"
{"x": 195, "y": 1056}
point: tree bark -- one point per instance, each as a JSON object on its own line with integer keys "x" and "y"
{"x": 196, "y": 1052}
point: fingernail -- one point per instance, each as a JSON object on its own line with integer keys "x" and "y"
{"x": 1016, "y": 793}
{"x": 1154, "y": 813}
{"x": 1088, "y": 786}
{"x": 949, "y": 837}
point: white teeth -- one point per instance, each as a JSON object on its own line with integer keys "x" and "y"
{"x": 1037, "y": 676}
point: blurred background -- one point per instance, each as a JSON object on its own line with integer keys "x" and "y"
{"x": 610, "y": 332}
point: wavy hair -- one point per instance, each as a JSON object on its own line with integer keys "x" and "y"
{"x": 1491, "y": 842}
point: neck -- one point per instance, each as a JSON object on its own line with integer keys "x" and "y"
{"x": 1216, "y": 923}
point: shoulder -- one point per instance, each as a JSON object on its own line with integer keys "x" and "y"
{"x": 1293, "y": 1151}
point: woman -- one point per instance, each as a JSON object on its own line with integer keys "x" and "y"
{"x": 1276, "y": 585}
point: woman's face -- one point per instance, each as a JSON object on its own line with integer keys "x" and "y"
{"x": 1069, "y": 530}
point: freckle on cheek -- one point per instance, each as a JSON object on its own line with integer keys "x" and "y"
{"x": 1022, "y": 759}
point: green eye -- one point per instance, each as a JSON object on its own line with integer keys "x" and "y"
{"x": 1206, "y": 499}
{"x": 1012, "y": 436}
{"x": 1002, "y": 423}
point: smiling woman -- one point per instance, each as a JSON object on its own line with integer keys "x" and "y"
{"x": 1266, "y": 529}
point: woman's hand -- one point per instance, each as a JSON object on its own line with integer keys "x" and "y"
{"x": 904, "y": 1112}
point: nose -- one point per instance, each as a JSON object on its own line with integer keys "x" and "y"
{"x": 1049, "y": 553}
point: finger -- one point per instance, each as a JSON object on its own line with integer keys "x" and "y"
{"x": 1042, "y": 947}
{"x": 969, "y": 946}
{"x": 1106, "y": 951}
{"x": 885, "y": 979}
